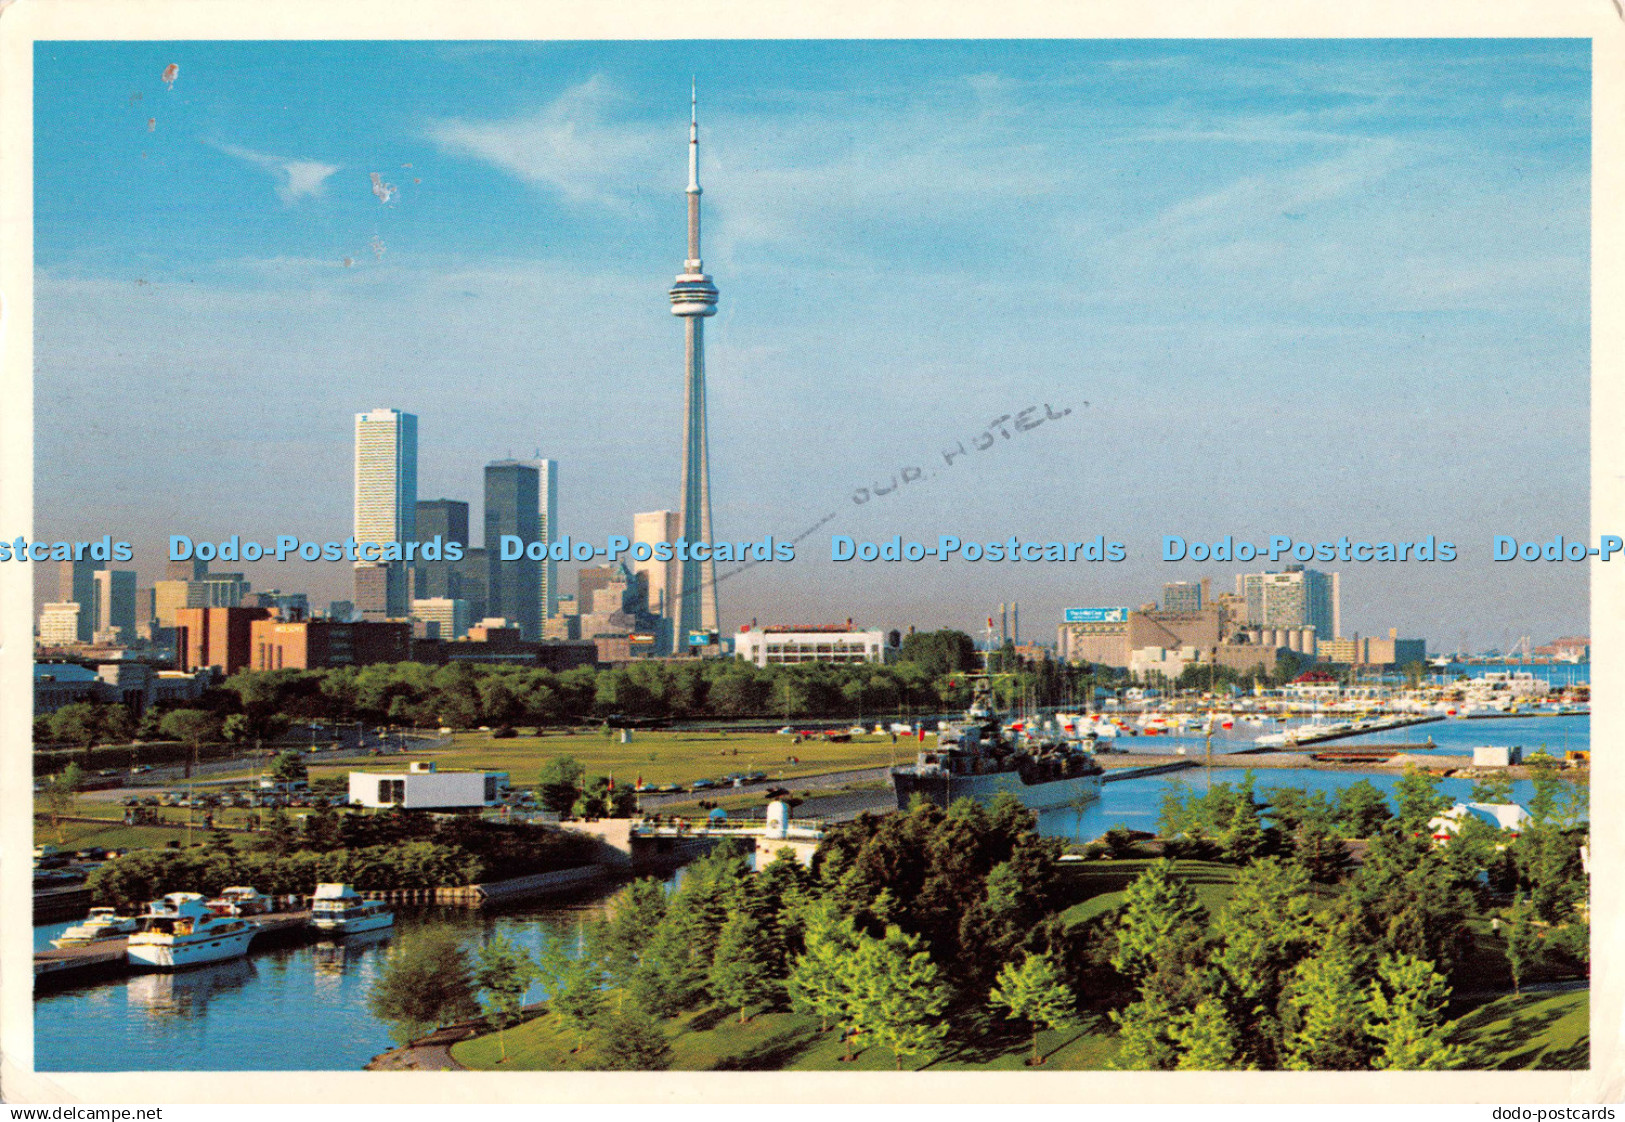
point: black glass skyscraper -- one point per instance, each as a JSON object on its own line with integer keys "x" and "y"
{"x": 513, "y": 588}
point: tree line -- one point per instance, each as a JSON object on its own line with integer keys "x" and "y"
{"x": 930, "y": 932}
{"x": 255, "y": 707}
{"x": 396, "y": 849}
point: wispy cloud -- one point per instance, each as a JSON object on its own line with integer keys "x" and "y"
{"x": 573, "y": 145}
{"x": 296, "y": 178}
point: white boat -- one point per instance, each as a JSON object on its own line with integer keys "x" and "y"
{"x": 338, "y": 909}
{"x": 240, "y": 900}
{"x": 101, "y": 923}
{"x": 180, "y": 930}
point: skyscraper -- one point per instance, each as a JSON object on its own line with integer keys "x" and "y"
{"x": 76, "y": 584}
{"x": 662, "y": 577}
{"x": 694, "y": 297}
{"x": 115, "y": 602}
{"x": 386, "y": 497}
{"x": 446, "y": 519}
{"x": 1298, "y": 597}
{"x": 1181, "y": 596}
{"x": 547, "y": 492}
{"x": 513, "y": 506}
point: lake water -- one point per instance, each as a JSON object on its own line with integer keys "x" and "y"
{"x": 305, "y": 1008}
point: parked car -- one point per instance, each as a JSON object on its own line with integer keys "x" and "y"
{"x": 704, "y": 784}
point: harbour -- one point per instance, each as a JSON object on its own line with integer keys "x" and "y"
{"x": 299, "y": 1002}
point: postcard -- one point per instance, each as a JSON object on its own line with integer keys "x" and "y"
{"x": 1039, "y": 556}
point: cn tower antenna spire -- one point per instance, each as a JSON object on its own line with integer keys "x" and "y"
{"x": 693, "y": 298}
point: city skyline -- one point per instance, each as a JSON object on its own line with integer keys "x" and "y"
{"x": 1320, "y": 304}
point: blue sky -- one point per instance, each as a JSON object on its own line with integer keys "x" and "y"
{"x": 1312, "y": 288}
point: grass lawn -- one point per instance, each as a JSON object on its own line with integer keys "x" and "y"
{"x": 1548, "y": 1031}
{"x": 712, "y": 1039}
{"x": 659, "y": 757}
{"x": 114, "y": 835}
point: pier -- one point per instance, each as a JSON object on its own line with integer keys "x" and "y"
{"x": 105, "y": 959}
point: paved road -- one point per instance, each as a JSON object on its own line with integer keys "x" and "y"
{"x": 797, "y": 786}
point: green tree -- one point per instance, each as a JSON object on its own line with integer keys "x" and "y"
{"x": 502, "y": 972}
{"x": 1034, "y": 992}
{"x": 560, "y": 784}
{"x": 59, "y": 792}
{"x": 193, "y": 728}
{"x": 1265, "y": 929}
{"x": 576, "y": 993}
{"x": 1522, "y": 941}
{"x": 1407, "y": 1003}
{"x": 426, "y": 983}
{"x": 279, "y": 837}
{"x": 632, "y": 1039}
{"x": 1361, "y": 809}
{"x": 1162, "y": 925}
{"x": 1419, "y": 800}
{"x": 1207, "y": 1039}
{"x": 1496, "y": 787}
{"x": 899, "y": 994}
{"x": 821, "y": 979}
{"x": 742, "y": 971}
{"x": 618, "y": 942}
{"x": 1146, "y": 1034}
{"x": 1549, "y": 798}
{"x": 289, "y": 767}
{"x": 1328, "y": 1012}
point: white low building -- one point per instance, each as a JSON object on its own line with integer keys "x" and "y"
{"x": 1490, "y": 755}
{"x": 1503, "y": 816}
{"x": 1170, "y": 663}
{"x": 774, "y": 646}
{"x": 422, "y": 787}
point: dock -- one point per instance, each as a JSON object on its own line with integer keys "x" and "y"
{"x": 105, "y": 959}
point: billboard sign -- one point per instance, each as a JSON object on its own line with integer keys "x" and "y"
{"x": 1097, "y": 615}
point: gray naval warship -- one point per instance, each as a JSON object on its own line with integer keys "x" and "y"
{"x": 977, "y": 758}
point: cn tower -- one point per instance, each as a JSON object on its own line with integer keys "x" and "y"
{"x": 694, "y": 297}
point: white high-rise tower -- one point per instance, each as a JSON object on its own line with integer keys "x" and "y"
{"x": 693, "y": 297}
{"x": 386, "y": 500}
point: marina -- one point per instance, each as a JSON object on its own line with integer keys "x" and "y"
{"x": 298, "y": 1001}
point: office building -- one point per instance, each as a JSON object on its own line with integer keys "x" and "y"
{"x": 115, "y": 604}
{"x": 471, "y": 576}
{"x": 450, "y": 615}
{"x": 1184, "y": 596}
{"x": 693, "y": 298}
{"x": 386, "y": 498}
{"x": 274, "y": 644}
{"x": 662, "y": 578}
{"x": 446, "y": 519}
{"x": 1297, "y": 597}
{"x": 76, "y": 583}
{"x": 215, "y": 638}
{"x": 547, "y": 528}
{"x": 589, "y": 582}
{"x": 59, "y": 624}
{"x": 513, "y": 508}
{"x": 186, "y": 570}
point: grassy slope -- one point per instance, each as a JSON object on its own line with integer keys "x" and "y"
{"x": 714, "y": 1040}
{"x": 1535, "y": 1030}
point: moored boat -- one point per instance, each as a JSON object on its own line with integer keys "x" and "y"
{"x": 338, "y": 909}
{"x": 181, "y": 930}
{"x": 978, "y": 759}
{"x": 100, "y": 924}
{"x": 240, "y": 900}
